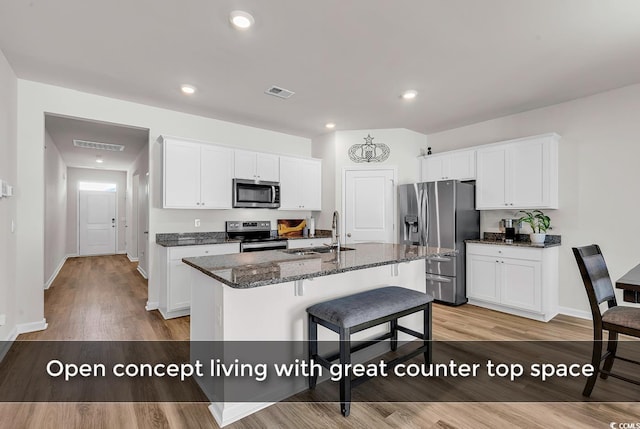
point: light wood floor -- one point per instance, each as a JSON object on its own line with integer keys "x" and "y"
{"x": 103, "y": 298}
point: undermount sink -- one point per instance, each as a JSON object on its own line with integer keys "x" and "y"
{"x": 314, "y": 250}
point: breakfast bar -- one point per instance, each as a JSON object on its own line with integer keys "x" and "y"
{"x": 263, "y": 296}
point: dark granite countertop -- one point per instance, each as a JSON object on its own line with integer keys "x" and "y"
{"x": 192, "y": 239}
{"x": 253, "y": 269}
{"x": 522, "y": 240}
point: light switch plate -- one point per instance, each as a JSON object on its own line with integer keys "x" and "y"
{"x": 196, "y": 223}
{"x": 3, "y": 319}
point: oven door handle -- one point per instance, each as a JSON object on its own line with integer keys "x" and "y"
{"x": 263, "y": 244}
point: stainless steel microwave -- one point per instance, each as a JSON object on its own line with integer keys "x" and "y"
{"x": 256, "y": 194}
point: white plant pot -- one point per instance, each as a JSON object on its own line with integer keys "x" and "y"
{"x": 537, "y": 238}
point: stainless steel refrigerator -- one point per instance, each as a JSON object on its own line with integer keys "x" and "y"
{"x": 440, "y": 214}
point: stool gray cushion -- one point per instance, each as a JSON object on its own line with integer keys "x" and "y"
{"x": 366, "y": 306}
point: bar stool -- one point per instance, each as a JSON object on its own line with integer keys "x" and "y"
{"x": 354, "y": 313}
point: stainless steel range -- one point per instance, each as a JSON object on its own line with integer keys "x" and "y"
{"x": 254, "y": 236}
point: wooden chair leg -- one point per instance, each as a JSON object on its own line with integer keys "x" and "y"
{"x": 345, "y": 381}
{"x": 393, "y": 327}
{"x": 596, "y": 357}
{"x": 612, "y": 346}
{"x": 312, "y": 349}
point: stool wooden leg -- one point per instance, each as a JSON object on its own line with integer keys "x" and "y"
{"x": 596, "y": 357}
{"x": 312, "y": 349}
{"x": 393, "y": 327}
{"x": 612, "y": 346}
{"x": 426, "y": 335}
{"x": 345, "y": 381}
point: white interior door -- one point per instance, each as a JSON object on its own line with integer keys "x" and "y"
{"x": 97, "y": 223}
{"x": 369, "y": 205}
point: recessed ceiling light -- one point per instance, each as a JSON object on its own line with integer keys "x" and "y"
{"x": 187, "y": 89}
{"x": 330, "y": 125}
{"x": 241, "y": 19}
{"x": 99, "y": 159}
{"x": 409, "y": 95}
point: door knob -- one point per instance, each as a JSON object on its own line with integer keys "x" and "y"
{"x": 348, "y": 234}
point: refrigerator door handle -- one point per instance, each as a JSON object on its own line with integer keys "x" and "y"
{"x": 439, "y": 259}
{"x": 426, "y": 217}
{"x": 423, "y": 220}
{"x": 438, "y": 278}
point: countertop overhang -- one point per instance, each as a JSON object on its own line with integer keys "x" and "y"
{"x": 254, "y": 269}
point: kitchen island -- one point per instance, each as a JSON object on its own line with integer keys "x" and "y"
{"x": 263, "y": 296}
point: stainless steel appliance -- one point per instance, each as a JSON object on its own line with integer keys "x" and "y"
{"x": 256, "y": 194}
{"x": 440, "y": 214}
{"x": 511, "y": 228}
{"x": 254, "y": 236}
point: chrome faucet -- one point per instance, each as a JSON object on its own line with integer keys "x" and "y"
{"x": 335, "y": 226}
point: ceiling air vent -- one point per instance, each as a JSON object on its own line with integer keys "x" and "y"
{"x": 100, "y": 146}
{"x": 279, "y": 92}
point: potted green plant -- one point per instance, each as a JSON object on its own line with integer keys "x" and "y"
{"x": 539, "y": 223}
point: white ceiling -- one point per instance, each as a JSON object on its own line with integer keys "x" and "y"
{"x": 347, "y": 61}
{"x": 64, "y": 130}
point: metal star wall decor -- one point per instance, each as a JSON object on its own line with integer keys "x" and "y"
{"x": 369, "y": 151}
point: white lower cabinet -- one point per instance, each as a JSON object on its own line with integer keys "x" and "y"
{"x": 301, "y": 243}
{"x": 517, "y": 280}
{"x": 175, "y": 282}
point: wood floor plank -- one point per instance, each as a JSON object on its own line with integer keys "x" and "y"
{"x": 103, "y": 298}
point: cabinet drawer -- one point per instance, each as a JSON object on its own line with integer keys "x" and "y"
{"x": 208, "y": 250}
{"x": 506, "y": 251}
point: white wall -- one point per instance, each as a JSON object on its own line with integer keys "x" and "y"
{"x": 139, "y": 167}
{"x": 599, "y": 177}
{"x": 55, "y": 215}
{"x": 34, "y": 99}
{"x": 324, "y": 147}
{"x": 8, "y": 160}
{"x": 76, "y": 175}
{"x": 334, "y": 148}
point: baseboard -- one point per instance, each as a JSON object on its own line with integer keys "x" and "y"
{"x": 47, "y": 285}
{"x": 23, "y": 328}
{"x": 131, "y": 258}
{"x": 142, "y": 272}
{"x": 5, "y": 345}
{"x": 152, "y": 305}
{"x": 232, "y": 412}
{"x": 72, "y": 255}
{"x": 581, "y": 314}
{"x": 122, "y": 252}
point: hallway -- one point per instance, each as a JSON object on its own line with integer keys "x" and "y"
{"x": 103, "y": 298}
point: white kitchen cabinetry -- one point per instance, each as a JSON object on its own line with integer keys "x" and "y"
{"x": 455, "y": 165}
{"x": 301, "y": 243}
{"x": 175, "y": 275}
{"x": 517, "y": 280}
{"x": 519, "y": 174}
{"x": 300, "y": 183}
{"x": 256, "y": 166}
{"x": 196, "y": 176}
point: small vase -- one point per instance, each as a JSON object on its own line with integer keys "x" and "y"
{"x": 537, "y": 238}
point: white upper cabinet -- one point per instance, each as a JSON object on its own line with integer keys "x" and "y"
{"x": 256, "y": 166}
{"x": 196, "y": 176}
{"x": 300, "y": 184}
{"x": 519, "y": 174}
{"x": 456, "y": 165}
